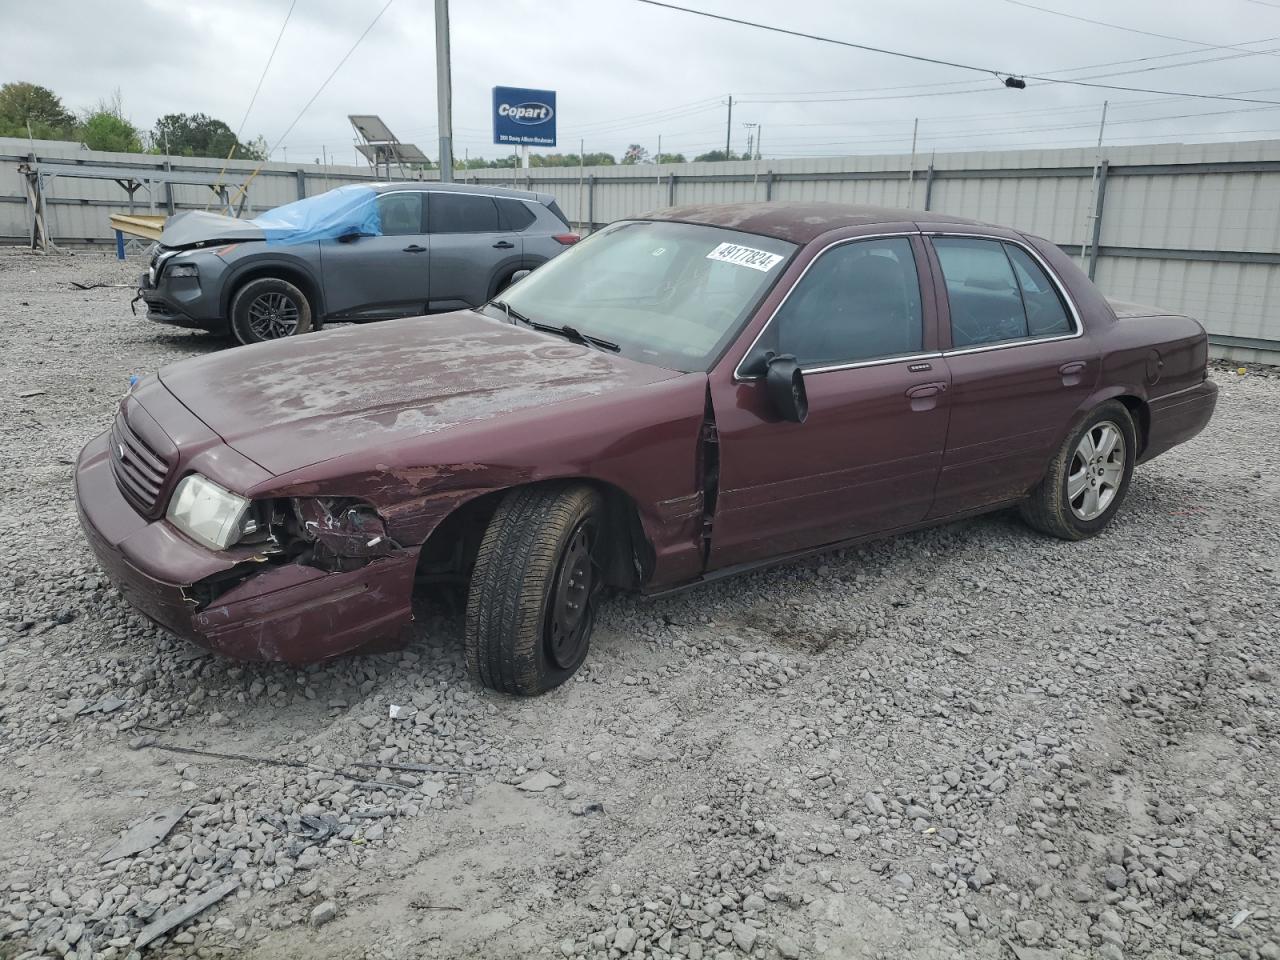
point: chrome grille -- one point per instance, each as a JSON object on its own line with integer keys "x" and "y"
{"x": 140, "y": 471}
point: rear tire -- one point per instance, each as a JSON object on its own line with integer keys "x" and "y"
{"x": 269, "y": 309}
{"x": 537, "y": 576}
{"x": 1088, "y": 478}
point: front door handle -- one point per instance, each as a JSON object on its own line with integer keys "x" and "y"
{"x": 924, "y": 396}
{"x": 503, "y": 245}
{"x": 1072, "y": 372}
{"x": 922, "y": 390}
{"x": 414, "y": 248}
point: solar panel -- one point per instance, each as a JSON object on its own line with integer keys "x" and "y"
{"x": 409, "y": 153}
{"x": 371, "y": 127}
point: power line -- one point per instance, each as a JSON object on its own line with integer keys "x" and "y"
{"x": 271, "y": 56}
{"x": 997, "y": 73}
{"x": 315, "y": 96}
{"x": 1117, "y": 26}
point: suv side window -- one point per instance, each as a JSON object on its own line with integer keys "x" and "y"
{"x": 462, "y": 213}
{"x": 400, "y": 213}
{"x": 514, "y": 214}
{"x": 997, "y": 293}
{"x": 1046, "y": 314}
{"x": 858, "y": 301}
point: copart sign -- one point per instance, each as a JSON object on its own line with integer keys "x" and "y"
{"x": 521, "y": 115}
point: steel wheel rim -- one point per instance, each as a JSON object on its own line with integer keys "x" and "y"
{"x": 273, "y": 315}
{"x": 1096, "y": 472}
{"x": 573, "y": 599}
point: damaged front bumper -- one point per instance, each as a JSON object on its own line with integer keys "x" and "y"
{"x": 286, "y": 612}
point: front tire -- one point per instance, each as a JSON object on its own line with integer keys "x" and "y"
{"x": 269, "y": 309}
{"x": 1088, "y": 478}
{"x": 537, "y": 576}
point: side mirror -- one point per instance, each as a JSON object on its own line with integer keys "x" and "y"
{"x": 519, "y": 275}
{"x": 351, "y": 237}
{"x": 785, "y": 383}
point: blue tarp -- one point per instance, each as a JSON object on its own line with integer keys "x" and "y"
{"x": 336, "y": 213}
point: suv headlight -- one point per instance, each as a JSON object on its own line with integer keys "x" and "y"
{"x": 209, "y": 514}
{"x": 178, "y": 270}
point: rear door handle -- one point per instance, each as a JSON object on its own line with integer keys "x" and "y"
{"x": 414, "y": 248}
{"x": 1072, "y": 372}
{"x": 503, "y": 245}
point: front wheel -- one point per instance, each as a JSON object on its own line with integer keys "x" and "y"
{"x": 537, "y": 577}
{"x": 1088, "y": 479}
{"x": 269, "y": 309}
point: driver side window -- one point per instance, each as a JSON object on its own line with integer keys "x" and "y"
{"x": 858, "y": 301}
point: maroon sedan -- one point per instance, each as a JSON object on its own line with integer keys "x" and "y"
{"x": 677, "y": 398}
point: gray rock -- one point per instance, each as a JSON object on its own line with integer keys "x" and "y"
{"x": 323, "y": 913}
{"x": 1030, "y": 931}
{"x": 788, "y": 949}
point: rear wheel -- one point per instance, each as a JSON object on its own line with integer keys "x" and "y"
{"x": 1088, "y": 479}
{"x": 537, "y": 577}
{"x": 269, "y": 309}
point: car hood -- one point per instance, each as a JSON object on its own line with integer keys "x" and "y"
{"x": 200, "y": 226}
{"x": 290, "y": 403}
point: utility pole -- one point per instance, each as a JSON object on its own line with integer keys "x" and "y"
{"x": 1093, "y": 192}
{"x": 444, "y": 91}
{"x": 751, "y": 139}
{"x": 911, "y": 173}
{"x": 759, "y": 137}
{"x": 728, "y": 128}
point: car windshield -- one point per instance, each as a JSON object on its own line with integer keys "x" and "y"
{"x": 671, "y": 294}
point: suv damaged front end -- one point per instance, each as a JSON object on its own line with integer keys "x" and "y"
{"x": 255, "y": 577}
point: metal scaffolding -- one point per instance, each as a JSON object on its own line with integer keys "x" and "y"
{"x": 37, "y": 174}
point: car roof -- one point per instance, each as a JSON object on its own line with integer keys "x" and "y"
{"x": 394, "y": 185}
{"x": 797, "y": 221}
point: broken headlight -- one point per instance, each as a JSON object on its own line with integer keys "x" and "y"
{"x": 210, "y": 514}
{"x": 178, "y": 270}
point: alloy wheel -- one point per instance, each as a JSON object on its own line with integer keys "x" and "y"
{"x": 1097, "y": 470}
{"x": 273, "y": 315}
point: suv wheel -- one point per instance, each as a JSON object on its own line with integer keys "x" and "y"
{"x": 269, "y": 309}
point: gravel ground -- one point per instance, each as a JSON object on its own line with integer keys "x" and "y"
{"x": 968, "y": 742}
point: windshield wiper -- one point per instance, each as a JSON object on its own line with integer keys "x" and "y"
{"x": 512, "y": 314}
{"x": 573, "y": 333}
{"x": 563, "y": 330}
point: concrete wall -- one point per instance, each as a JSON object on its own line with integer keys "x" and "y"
{"x": 1191, "y": 227}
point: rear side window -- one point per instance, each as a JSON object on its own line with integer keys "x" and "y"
{"x": 859, "y": 301}
{"x": 1046, "y": 314}
{"x": 400, "y": 214}
{"x": 555, "y": 209}
{"x": 462, "y": 213}
{"x": 514, "y": 214}
{"x": 997, "y": 293}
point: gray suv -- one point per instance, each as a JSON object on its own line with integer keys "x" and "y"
{"x": 361, "y": 252}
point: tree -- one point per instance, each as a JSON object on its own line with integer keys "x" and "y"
{"x": 635, "y": 154}
{"x": 105, "y": 128}
{"x": 22, "y": 103}
{"x": 717, "y": 155}
{"x": 671, "y": 158}
{"x": 200, "y": 135}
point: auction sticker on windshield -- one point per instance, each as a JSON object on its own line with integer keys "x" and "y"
{"x": 761, "y": 260}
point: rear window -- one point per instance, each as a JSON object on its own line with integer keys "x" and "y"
{"x": 514, "y": 214}
{"x": 462, "y": 213}
{"x": 555, "y": 208}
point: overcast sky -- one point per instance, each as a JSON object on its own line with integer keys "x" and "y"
{"x": 626, "y": 72}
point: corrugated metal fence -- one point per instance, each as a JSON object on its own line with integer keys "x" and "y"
{"x": 1192, "y": 227}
